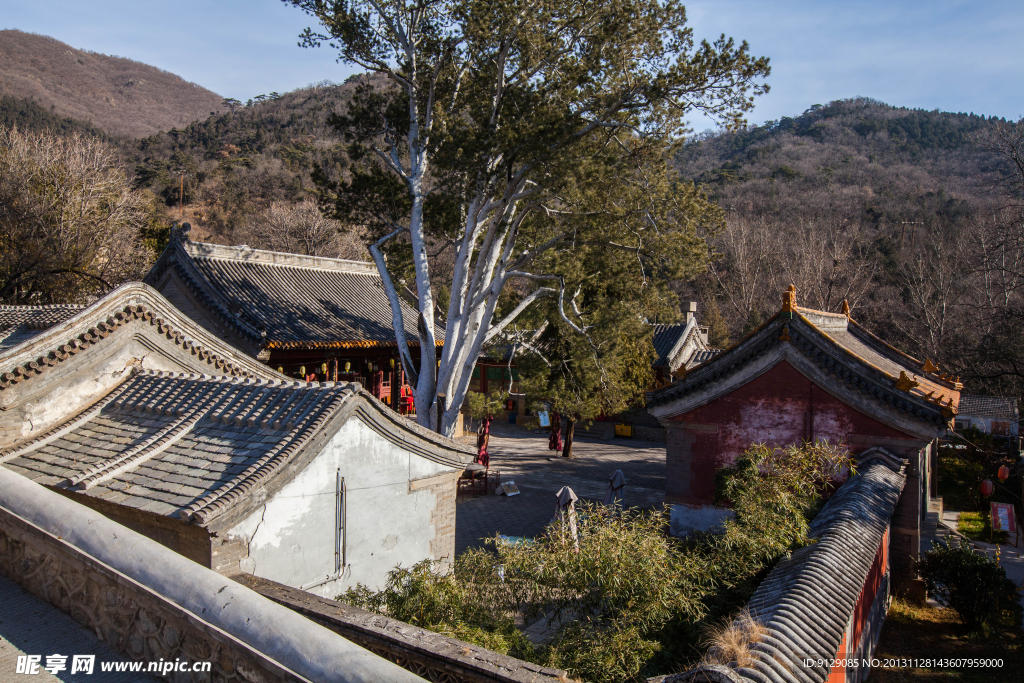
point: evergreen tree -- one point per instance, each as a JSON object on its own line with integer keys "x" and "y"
{"x": 494, "y": 126}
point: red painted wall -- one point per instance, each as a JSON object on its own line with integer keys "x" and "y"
{"x": 870, "y": 590}
{"x": 779, "y": 408}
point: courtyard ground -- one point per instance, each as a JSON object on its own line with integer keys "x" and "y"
{"x": 523, "y": 457}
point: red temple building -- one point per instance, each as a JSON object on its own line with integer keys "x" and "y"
{"x": 805, "y": 375}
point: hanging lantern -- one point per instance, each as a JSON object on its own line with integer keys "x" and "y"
{"x": 369, "y": 366}
{"x": 323, "y": 368}
{"x": 1004, "y": 473}
{"x": 987, "y": 488}
{"x": 302, "y": 370}
{"x": 280, "y": 369}
{"x": 348, "y": 366}
{"x": 392, "y": 363}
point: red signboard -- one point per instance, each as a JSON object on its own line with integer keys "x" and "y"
{"x": 1002, "y": 518}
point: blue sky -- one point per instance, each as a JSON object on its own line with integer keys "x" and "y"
{"x": 936, "y": 54}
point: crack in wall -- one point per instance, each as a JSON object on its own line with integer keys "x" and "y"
{"x": 252, "y": 537}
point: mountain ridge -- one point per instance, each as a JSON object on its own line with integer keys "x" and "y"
{"x": 123, "y": 97}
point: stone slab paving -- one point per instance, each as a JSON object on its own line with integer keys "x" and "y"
{"x": 523, "y": 456}
{"x": 29, "y": 626}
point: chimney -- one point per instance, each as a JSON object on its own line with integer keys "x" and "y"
{"x": 691, "y": 310}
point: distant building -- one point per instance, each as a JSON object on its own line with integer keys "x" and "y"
{"x": 805, "y": 375}
{"x": 680, "y": 347}
{"x": 131, "y": 409}
{"x": 995, "y": 415}
{"x": 307, "y": 316}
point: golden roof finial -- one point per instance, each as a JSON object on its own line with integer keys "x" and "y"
{"x": 846, "y": 308}
{"x": 789, "y": 301}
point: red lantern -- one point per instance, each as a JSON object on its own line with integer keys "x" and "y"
{"x": 987, "y": 488}
{"x": 1003, "y": 473}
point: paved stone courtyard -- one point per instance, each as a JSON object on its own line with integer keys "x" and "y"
{"x": 523, "y": 457}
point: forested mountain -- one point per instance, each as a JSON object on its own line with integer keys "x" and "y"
{"x": 238, "y": 163}
{"x": 900, "y": 212}
{"x": 121, "y": 96}
{"x": 857, "y": 159}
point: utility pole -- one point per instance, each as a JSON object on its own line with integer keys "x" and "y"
{"x": 181, "y": 173}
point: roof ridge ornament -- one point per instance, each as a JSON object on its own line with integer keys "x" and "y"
{"x": 905, "y": 383}
{"x": 789, "y": 302}
{"x": 846, "y": 308}
{"x": 929, "y": 366}
{"x": 180, "y": 232}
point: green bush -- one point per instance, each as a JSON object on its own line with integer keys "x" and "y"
{"x": 625, "y": 600}
{"x": 971, "y": 584}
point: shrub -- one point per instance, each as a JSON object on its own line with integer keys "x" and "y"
{"x": 627, "y": 601}
{"x": 969, "y": 583}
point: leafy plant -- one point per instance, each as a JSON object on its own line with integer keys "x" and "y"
{"x": 624, "y": 599}
{"x": 971, "y": 584}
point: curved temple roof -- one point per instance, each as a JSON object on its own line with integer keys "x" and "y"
{"x": 834, "y": 351}
{"x": 282, "y": 301}
{"x": 192, "y": 446}
{"x": 88, "y": 326}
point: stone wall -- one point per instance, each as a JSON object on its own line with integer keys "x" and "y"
{"x": 429, "y": 655}
{"x": 150, "y": 603}
{"x": 442, "y": 517}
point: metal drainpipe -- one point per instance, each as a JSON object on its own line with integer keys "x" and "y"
{"x": 339, "y": 534}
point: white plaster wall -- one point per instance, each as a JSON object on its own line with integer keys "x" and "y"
{"x": 90, "y": 377}
{"x": 292, "y": 538}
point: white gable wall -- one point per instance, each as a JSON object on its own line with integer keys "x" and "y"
{"x": 291, "y": 539}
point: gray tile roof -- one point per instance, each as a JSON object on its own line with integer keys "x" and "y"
{"x": 704, "y": 356}
{"x": 286, "y": 300}
{"x": 192, "y": 446}
{"x": 84, "y": 327}
{"x": 665, "y": 339}
{"x": 851, "y": 361}
{"x": 999, "y": 407}
{"x": 18, "y": 323}
{"x": 806, "y": 601}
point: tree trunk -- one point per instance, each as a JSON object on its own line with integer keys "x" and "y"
{"x": 570, "y": 428}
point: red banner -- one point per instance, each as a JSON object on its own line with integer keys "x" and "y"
{"x": 1002, "y": 518}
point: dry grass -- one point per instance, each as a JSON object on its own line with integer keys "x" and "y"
{"x": 913, "y": 632}
{"x": 730, "y": 641}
